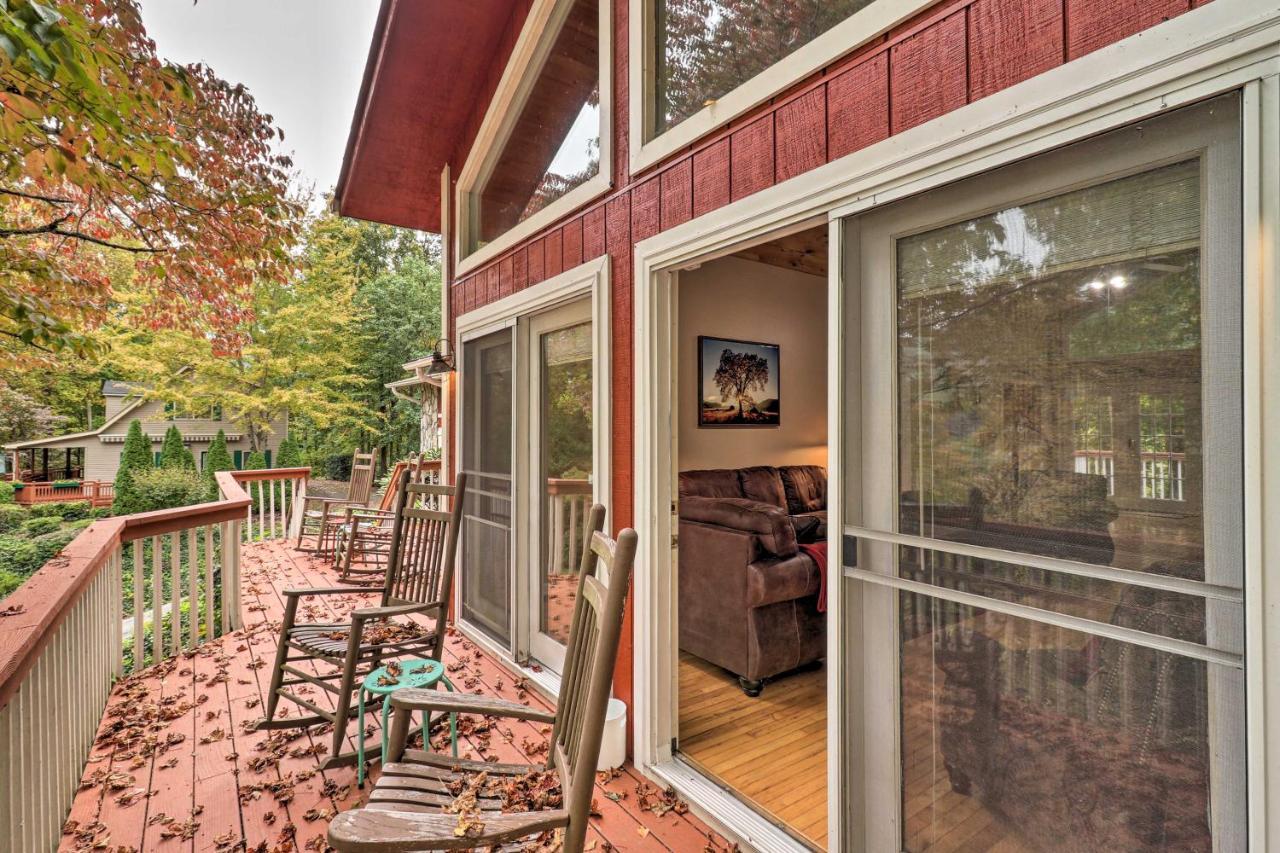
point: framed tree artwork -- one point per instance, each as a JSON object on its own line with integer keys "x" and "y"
{"x": 739, "y": 383}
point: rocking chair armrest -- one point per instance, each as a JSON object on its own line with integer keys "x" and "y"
{"x": 376, "y": 829}
{"x": 331, "y": 590}
{"x": 366, "y": 613}
{"x": 418, "y": 699}
{"x": 317, "y": 499}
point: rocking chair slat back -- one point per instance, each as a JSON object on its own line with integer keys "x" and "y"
{"x": 423, "y": 543}
{"x": 361, "y": 485}
{"x": 588, "y": 669}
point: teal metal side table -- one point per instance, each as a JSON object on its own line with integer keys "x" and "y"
{"x": 386, "y": 680}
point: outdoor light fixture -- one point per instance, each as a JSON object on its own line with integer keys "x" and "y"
{"x": 441, "y": 358}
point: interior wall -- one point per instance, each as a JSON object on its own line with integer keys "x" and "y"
{"x": 746, "y": 300}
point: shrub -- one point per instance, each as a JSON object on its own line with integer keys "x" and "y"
{"x": 217, "y": 459}
{"x": 162, "y": 488}
{"x": 79, "y": 524}
{"x": 11, "y": 517}
{"x": 290, "y": 453}
{"x": 66, "y": 484}
{"x": 135, "y": 458}
{"x": 338, "y": 467}
{"x": 100, "y": 512}
{"x": 65, "y": 510}
{"x": 6, "y": 492}
{"x": 39, "y": 526}
{"x": 50, "y": 544}
{"x": 9, "y": 581}
{"x": 255, "y": 461}
{"x": 19, "y": 555}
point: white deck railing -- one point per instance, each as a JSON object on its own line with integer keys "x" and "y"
{"x": 61, "y": 632}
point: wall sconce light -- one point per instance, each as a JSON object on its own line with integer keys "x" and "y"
{"x": 441, "y": 359}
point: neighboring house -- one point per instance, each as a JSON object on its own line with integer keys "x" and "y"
{"x": 1003, "y": 275}
{"x": 95, "y": 454}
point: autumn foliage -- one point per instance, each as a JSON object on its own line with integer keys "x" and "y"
{"x": 110, "y": 158}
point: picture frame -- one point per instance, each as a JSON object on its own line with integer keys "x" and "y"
{"x": 739, "y": 383}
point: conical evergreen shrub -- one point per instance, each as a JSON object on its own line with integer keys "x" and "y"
{"x": 135, "y": 457}
{"x": 218, "y": 458}
{"x": 173, "y": 454}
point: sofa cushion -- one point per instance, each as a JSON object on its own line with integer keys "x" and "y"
{"x": 721, "y": 483}
{"x": 771, "y": 526}
{"x": 771, "y": 581}
{"x": 762, "y": 483}
{"x": 806, "y": 526}
{"x": 805, "y": 487}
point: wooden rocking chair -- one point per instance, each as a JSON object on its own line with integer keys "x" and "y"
{"x": 363, "y": 541}
{"x": 408, "y": 809}
{"x": 419, "y": 580}
{"x": 321, "y": 517}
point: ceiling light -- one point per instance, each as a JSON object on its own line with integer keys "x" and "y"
{"x": 1096, "y": 284}
{"x": 1119, "y": 282}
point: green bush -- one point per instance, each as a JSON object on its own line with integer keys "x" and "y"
{"x": 11, "y": 517}
{"x": 79, "y": 524}
{"x": 65, "y": 510}
{"x": 162, "y": 488}
{"x": 338, "y": 467}
{"x": 50, "y": 544}
{"x": 19, "y": 555}
{"x": 41, "y": 525}
{"x": 100, "y": 512}
{"x": 136, "y": 457}
{"x": 9, "y": 581}
{"x": 290, "y": 453}
{"x": 217, "y": 459}
{"x": 255, "y": 461}
{"x": 6, "y": 492}
{"x": 66, "y": 484}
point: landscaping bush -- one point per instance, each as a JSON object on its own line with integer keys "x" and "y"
{"x": 162, "y": 488}
{"x": 9, "y": 581}
{"x": 41, "y": 525}
{"x": 11, "y": 517}
{"x": 6, "y": 492}
{"x": 135, "y": 458}
{"x": 18, "y": 555}
{"x": 50, "y": 544}
{"x": 217, "y": 459}
{"x": 100, "y": 512}
{"x": 65, "y": 510}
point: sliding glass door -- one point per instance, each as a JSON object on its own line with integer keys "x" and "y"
{"x": 487, "y": 439}
{"x": 1044, "y": 406}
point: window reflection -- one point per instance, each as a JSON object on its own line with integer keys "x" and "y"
{"x": 553, "y": 146}
{"x": 1050, "y": 376}
{"x": 706, "y": 48}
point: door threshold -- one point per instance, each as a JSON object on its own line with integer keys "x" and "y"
{"x": 543, "y": 681}
{"x": 719, "y": 806}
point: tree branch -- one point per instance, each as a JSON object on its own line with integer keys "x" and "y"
{"x": 35, "y": 197}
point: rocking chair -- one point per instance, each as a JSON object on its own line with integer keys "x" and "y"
{"x": 363, "y": 541}
{"x": 419, "y": 580}
{"x": 409, "y": 808}
{"x": 321, "y": 517}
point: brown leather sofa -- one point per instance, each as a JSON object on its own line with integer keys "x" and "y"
{"x": 748, "y": 594}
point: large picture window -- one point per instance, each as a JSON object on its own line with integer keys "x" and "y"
{"x": 543, "y": 147}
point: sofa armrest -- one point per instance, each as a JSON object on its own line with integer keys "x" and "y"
{"x": 770, "y": 524}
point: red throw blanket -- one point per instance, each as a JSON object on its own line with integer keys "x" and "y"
{"x": 818, "y": 551}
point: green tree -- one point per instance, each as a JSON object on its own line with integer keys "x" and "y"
{"x": 290, "y": 453}
{"x": 173, "y": 453}
{"x": 255, "y": 461}
{"x": 218, "y": 458}
{"x": 136, "y": 457}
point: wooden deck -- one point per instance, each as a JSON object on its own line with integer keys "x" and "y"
{"x": 175, "y": 770}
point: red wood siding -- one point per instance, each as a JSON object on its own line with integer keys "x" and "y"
{"x": 940, "y": 60}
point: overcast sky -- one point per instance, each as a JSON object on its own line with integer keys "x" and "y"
{"x": 301, "y": 59}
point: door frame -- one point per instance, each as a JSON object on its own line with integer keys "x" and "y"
{"x": 1226, "y": 45}
{"x": 588, "y": 280}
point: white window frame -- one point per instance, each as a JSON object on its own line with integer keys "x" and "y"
{"x": 841, "y": 40}
{"x": 588, "y": 280}
{"x": 537, "y": 38}
{"x": 1222, "y": 46}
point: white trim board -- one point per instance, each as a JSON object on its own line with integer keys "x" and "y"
{"x": 1226, "y": 45}
{"x": 841, "y": 40}
{"x": 537, "y": 37}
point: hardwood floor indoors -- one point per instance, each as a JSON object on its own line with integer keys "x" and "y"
{"x": 770, "y": 749}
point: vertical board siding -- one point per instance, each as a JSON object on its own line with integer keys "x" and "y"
{"x": 506, "y": 276}
{"x": 751, "y": 158}
{"x": 645, "y": 203}
{"x": 593, "y": 233}
{"x": 1093, "y": 24}
{"x": 536, "y": 273}
{"x": 711, "y": 177}
{"x": 858, "y": 107}
{"x": 571, "y": 240}
{"x": 928, "y": 73}
{"x": 520, "y": 269}
{"x": 676, "y": 205}
{"x": 800, "y": 134}
{"x": 1011, "y": 41}
{"x": 553, "y": 253}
